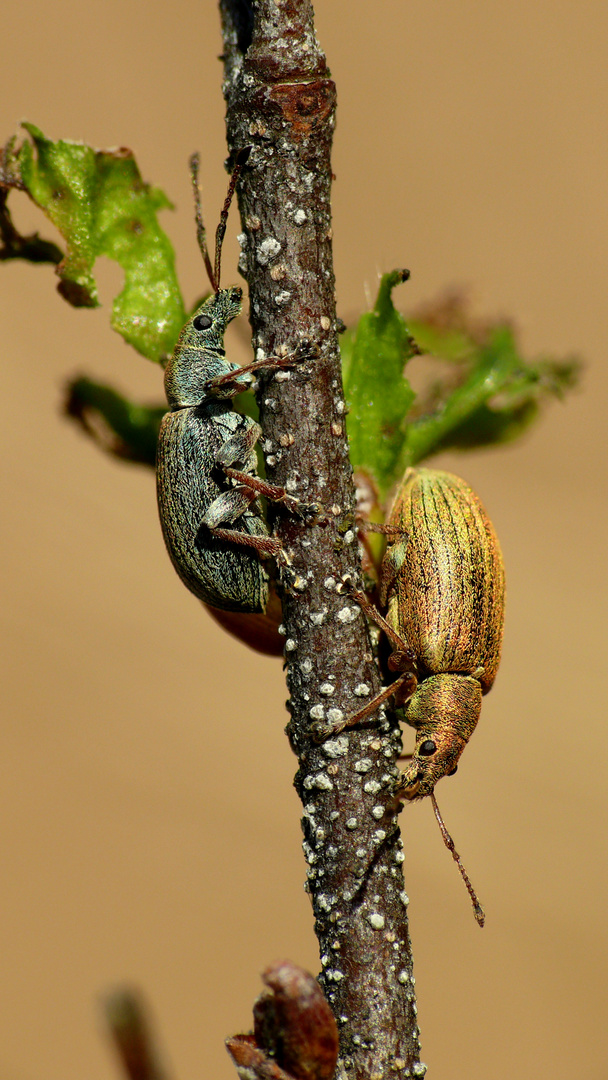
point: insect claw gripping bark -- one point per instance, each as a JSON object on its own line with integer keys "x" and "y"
{"x": 206, "y": 464}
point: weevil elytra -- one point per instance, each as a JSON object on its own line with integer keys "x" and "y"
{"x": 442, "y": 585}
{"x": 207, "y": 482}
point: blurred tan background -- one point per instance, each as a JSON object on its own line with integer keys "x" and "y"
{"x": 149, "y": 831}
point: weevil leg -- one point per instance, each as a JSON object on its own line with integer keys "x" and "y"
{"x": 264, "y": 545}
{"x": 231, "y": 383}
{"x": 392, "y": 531}
{"x": 322, "y": 731}
{"x": 227, "y": 508}
{"x": 239, "y": 450}
{"x": 403, "y": 657}
{"x": 274, "y": 493}
{"x": 392, "y": 564}
{"x": 363, "y": 528}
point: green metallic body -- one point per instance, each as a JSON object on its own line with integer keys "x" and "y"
{"x": 199, "y": 438}
{"x": 443, "y": 587}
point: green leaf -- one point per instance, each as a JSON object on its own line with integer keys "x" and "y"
{"x": 499, "y": 395}
{"x": 377, "y": 394}
{"x": 118, "y": 426}
{"x": 101, "y": 206}
{"x": 486, "y": 394}
{"x": 31, "y": 248}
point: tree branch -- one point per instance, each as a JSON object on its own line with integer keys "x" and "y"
{"x": 281, "y": 101}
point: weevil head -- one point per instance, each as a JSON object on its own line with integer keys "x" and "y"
{"x": 444, "y": 711}
{"x": 199, "y": 354}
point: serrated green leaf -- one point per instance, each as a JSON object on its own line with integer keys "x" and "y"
{"x": 498, "y": 398}
{"x": 125, "y": 428}
{"x": 32, "y": 248}
{"x": 119, "y": 426}
{"x": 100, "y": 204}
{"x": 377, "y": 394}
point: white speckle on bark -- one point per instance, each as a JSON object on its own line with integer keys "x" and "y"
{"x": 361, "y": 690}
{"x": 363, "y": 765}
{"x": 334, "y": 976}
{"x": 346, "y": 614}
{"x": 334, "y": 748}
{"x": 268, "y": 249}
{"x": 317, "y": 618}
{"x": 322, "y": 782}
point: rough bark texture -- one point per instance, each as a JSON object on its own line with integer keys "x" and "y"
{"x": 281, "y": 102}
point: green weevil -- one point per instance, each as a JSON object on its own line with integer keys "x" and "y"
{"x": 207, "y": 482}
{"x": 442, "y": 585}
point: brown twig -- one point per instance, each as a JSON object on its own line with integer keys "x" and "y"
{"x": 131, "y": 1032}
{"x": 281, "y": 102}
{"x": 295, "y": 1036}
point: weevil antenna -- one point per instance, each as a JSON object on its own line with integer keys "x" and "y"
{"x": 201, "y": 232}
{"x": 220, "y": 232}
{"x": 449, "y": 843}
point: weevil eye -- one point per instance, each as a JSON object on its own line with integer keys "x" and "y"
{"x": 202, "y": 322}
{"x": 427, "y": 748}
{"x": 452, "y": 771}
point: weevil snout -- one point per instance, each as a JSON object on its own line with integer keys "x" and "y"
{"x": 236, "y": 296}
{"x": 444, "y": 711}
{"x": 226, "y": 303}
{"x": 433, "y": 758}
